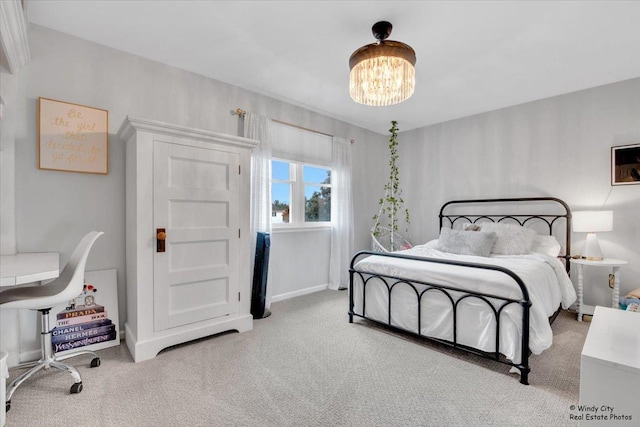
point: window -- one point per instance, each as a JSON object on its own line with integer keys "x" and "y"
{"x": 300, "y": 178}
{"x": 281, "y": 185}
{"x": 300, "y": 193}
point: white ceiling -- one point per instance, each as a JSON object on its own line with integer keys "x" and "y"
{"x": 473, "y": 56}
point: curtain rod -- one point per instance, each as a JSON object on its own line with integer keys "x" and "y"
{"x": 240, "y": 113}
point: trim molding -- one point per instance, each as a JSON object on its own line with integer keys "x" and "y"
{"x": 299, "y": 293}
{"x": 300, "y": 228}
{"x": 133, "y": 124}
{"x": 14, "y": 35}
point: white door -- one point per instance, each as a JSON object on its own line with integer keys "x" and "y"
{"x": 196, "y": 201}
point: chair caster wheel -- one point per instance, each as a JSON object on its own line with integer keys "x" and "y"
{"x": 7, "y": 406}
{"x": 76, "y": 388}
{"x": 95, "y": 362}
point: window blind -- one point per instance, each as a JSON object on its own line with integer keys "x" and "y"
{"x": 298, "y": 145}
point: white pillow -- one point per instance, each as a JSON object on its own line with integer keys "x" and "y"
{"x": 432, "y": 244}
{"x": 471, "y": 227}
{"x": 465, "y": 242}
{"x": 547, "y": 245}
{"x": 512, "y": 239}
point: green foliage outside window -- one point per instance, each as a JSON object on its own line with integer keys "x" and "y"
{"x": 277, "y": 205}
{"x": 318, "y": 206}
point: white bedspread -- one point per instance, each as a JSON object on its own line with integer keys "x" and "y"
{"x": 544, "y": 276}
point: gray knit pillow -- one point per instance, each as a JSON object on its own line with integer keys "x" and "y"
{"x": 462, "y": 242}
{"x": 512, "y": 239}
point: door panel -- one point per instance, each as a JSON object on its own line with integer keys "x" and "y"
{"x": 209, "y": 253}
{"x": 196, "y": 200}
{"x": 189, "y": 214}
{"x": 192, "y": 173}
{"x": 199, "y": 294}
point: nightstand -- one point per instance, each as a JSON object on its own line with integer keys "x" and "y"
{"x": 614, "y": 265}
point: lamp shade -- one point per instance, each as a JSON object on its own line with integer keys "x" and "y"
{"x": 592, "y": 221}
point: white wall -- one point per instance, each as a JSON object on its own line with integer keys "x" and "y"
{"x": 54, "y": 209}
{"x": 8, "y": 88}
{"x": 286, "y": 277}
{"x": 553, "y": 147}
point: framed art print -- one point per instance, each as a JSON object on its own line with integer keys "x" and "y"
{"x": 625, "y": 164}
{"x": 72, "y": 137}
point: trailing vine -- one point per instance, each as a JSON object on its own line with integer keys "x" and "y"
{"x": 392, "y": 203}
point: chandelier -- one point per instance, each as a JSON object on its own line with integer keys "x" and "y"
{"x": 382, "y": 73}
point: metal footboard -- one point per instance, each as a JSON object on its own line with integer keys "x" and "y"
{"x": 455, "y": 296}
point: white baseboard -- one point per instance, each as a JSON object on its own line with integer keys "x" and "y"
{"x": 586, "y": 309}
{"x": 29, "y": 356}
{"x": 282, "y": 297}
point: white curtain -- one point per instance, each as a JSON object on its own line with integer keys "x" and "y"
{"x": 341, "y": 214}
{"x": 259, "y": 128}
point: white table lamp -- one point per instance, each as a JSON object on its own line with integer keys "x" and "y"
{"x": 591, "y": 222}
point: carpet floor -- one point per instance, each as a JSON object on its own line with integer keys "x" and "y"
{"x": 305, "y": 365}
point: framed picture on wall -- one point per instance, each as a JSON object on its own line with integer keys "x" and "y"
{"x": 72, "y": 137}
{"x": 625, "y": 164}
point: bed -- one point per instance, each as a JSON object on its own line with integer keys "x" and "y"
{"x": 497, "y": 305}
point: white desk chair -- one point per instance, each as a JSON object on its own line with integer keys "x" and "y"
{"x": 43, "y": 298}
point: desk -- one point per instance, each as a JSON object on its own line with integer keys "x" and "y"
{"x": 28, "y": 267}
{"x": 20, "y": 269}
{"x": 610, "y": 369}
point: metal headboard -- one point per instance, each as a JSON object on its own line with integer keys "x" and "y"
{"x": 522, "y": 219}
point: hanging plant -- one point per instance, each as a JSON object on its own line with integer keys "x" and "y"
{"x": 392, "y": 204}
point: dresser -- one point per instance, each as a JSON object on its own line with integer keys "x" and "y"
{"x": 187, "y": 234}
{"x": 610, "y": 370}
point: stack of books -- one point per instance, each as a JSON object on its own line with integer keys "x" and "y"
{"x": 81, "y": 326}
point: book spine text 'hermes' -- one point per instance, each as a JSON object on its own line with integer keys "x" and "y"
{"x": 81, "y": 327}
{"x": 103, "y": 330}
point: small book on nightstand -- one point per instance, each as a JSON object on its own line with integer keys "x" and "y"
{"x": 634, "y": 307}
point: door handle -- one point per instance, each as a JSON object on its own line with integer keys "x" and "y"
{"x": 161, "y": 237}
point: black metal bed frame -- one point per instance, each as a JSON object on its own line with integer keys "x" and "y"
{"x": 392, "y": 281}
